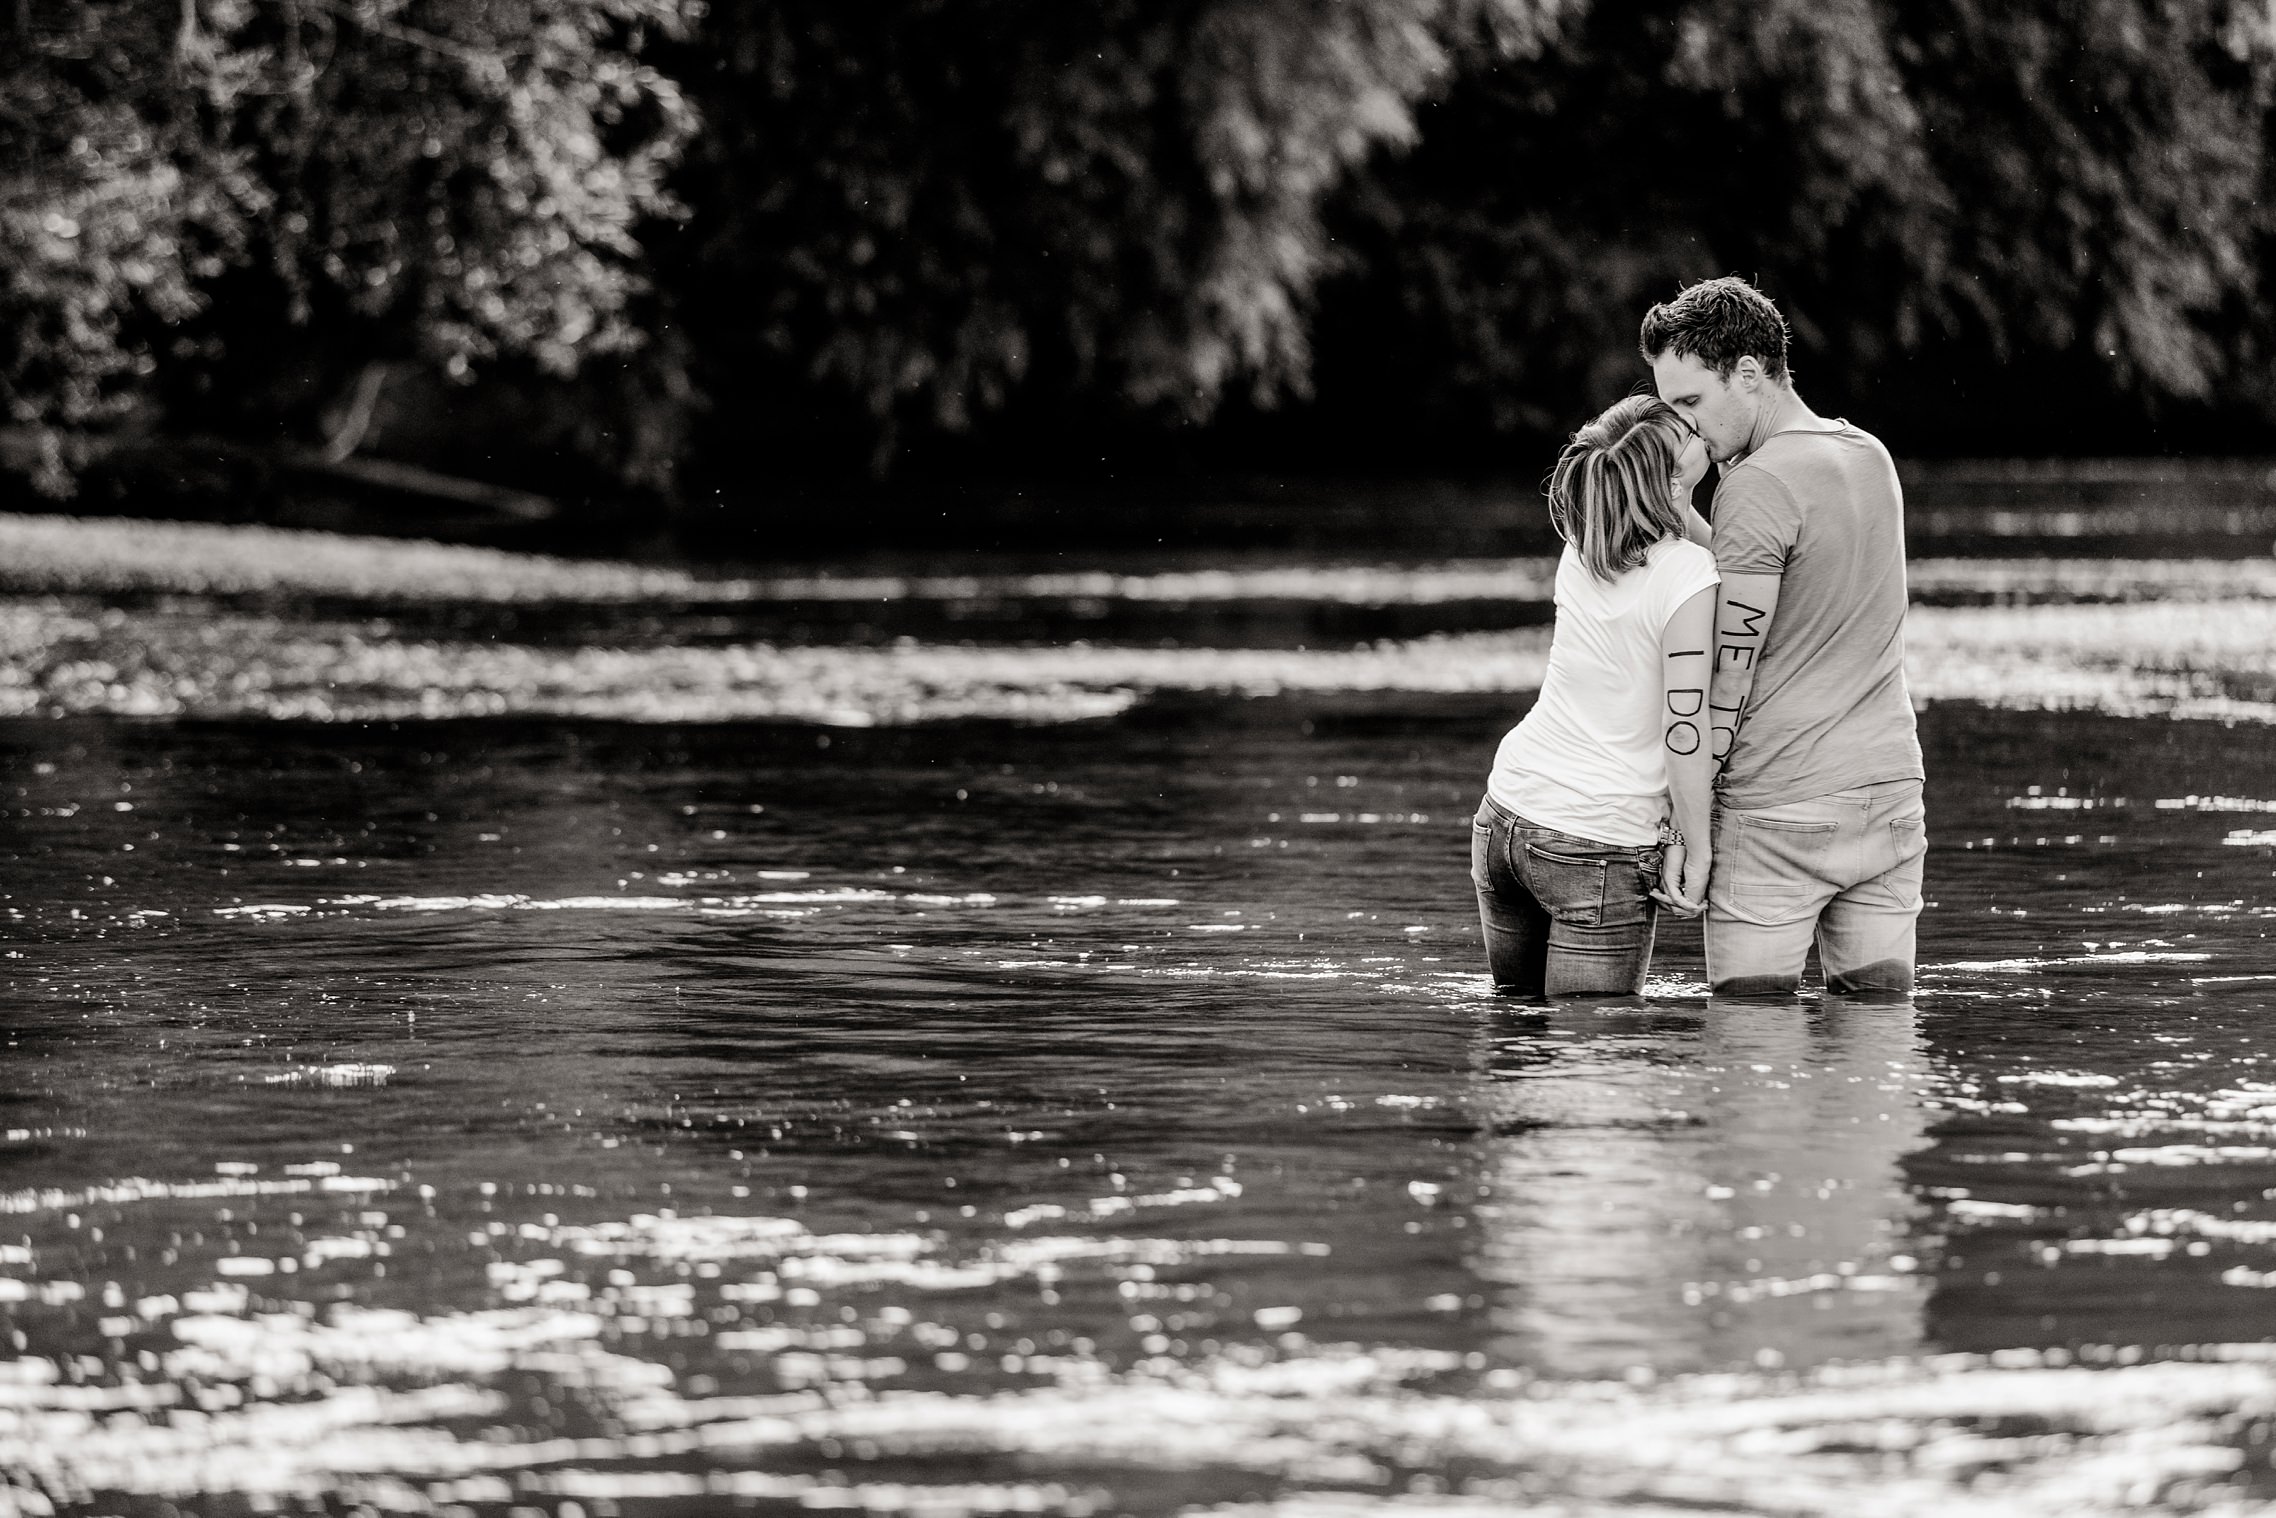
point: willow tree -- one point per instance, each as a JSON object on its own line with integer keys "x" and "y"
{"x": 303, "y": 189}
{"x": 913, "y": 216}
{"x": 1970, "y": 212}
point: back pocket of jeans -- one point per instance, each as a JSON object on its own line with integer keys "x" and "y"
{"x": 1569, "y": 889}
{"x": 1777, "y": 857}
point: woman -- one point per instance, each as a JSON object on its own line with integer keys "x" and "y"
{"x": 1575, "y": 834}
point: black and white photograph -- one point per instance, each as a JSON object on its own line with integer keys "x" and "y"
{"x": 1200, "y": 759}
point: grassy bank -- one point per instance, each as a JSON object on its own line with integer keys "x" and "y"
{"x": 176, "y": 620}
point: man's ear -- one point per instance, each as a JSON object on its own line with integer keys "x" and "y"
{"x": 1747, "y": 373}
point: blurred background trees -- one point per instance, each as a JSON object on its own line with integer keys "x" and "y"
{"x": 2012, "y": 228}
{"x": 703, "y": 253}
{"x": 1059, "y": 220}
{"x": 233, "y": 214}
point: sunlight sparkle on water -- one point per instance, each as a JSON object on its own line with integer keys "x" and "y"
{"x": 1099, "y": 1110}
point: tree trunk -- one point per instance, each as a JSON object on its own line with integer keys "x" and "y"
{"x": 350, "y": 421}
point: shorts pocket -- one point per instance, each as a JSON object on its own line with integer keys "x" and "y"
{"x": 1908, "y": 838}
{"x": 1570, "y": 888}
{"x": 1777, "y": 856}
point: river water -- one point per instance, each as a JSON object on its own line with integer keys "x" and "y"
{"x": 581, "y": 1116}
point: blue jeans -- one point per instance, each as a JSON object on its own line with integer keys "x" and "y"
{"x": 1563, "y": 916}
{"x": 1842, "y": 869}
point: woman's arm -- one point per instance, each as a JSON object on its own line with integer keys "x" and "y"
{"x": 1686, "y": 663}
{"x": 1695, "y": 527}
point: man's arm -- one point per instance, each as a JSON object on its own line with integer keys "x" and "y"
{"x": 1743, "y": 612}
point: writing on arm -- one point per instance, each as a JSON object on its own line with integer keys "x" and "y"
{"x": 1744, "y": 609}
{"x": 1686, "y": 695}
{"x": 1686, "y": 655}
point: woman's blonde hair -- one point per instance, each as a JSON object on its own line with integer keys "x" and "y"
{"x": 1609, "y": 495}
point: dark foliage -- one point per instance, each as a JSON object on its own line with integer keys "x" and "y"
{"x": 1007, "y": 236}
{"x": 1995, "y": 228}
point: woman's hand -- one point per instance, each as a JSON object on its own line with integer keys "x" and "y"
{"x": 1683, "y": 879}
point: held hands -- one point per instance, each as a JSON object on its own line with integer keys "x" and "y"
{"x": 1683, "y": 879}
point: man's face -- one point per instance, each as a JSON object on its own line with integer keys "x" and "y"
{"x": 1723, "y": 410}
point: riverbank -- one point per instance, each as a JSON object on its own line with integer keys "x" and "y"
{"x": 182, "y": 620}
{"x": 2119, "y": 507}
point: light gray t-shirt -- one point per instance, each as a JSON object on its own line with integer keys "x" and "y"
{"x": 1829, "y": 709}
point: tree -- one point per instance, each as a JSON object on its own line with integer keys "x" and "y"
{"x": 2052, "y": 199}
{"x": 305, "y": 188}
{"x": 908, "y": 219}
{"x": 2101, "y": 166}
{"x": 1040, "y": 223}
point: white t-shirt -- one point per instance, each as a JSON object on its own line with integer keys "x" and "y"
{"x": 1588, "y": 760}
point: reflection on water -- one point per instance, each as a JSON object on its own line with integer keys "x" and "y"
{"x": 1101, "y": 1117}
{"x": 551, "y": 1096}
{"x": 1706, "y": 1188}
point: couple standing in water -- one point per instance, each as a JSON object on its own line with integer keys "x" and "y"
{"x": 1724, "y": 726}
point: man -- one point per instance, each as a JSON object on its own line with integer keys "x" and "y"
{"x": 1819, "y": 830}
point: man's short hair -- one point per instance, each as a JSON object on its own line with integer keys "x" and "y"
{"x": 1718, "y": 322}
